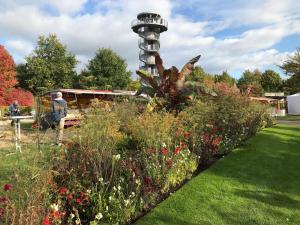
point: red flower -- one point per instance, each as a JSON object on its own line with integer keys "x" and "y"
{"x": 70, "y": 196}
{"x": 164, "y": 151}
{"x": 177, "y": 150}
{"x": 63, "y": 190}
{"x": 1, "y": 212}
{"x": 46, "y": 221}
{"x": 7, "y": 187}
{"x": 147, "y": 181}
{"x": 78, "y": 200}
{"x": 3, "y": 200}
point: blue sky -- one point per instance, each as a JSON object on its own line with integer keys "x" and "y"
{"x": 230, "y": 35}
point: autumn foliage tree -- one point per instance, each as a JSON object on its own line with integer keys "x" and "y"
{"x": 8, "y": 82}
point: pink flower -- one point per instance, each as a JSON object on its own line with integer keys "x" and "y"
{"x": 56, "y": 214}
{"x": 78, "y": 200}
{"x": 70, "y": 196}
{"x": 7, "y": 187}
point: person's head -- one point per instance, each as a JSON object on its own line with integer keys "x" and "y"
{"x": 16, "y": 102}
{"x": 59, "y": 94}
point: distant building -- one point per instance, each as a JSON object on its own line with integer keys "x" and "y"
{"x": 293, "y": 102}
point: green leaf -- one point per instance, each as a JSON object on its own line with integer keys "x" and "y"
{"x": 198, "y": 88}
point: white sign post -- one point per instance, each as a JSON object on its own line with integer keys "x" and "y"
{"x": 17, "y": 123}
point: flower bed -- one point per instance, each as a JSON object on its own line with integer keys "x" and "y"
{"x": 121, "y": 162}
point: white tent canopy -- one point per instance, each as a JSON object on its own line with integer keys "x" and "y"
{"x": 294, "y": 104}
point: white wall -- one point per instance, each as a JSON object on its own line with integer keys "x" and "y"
{"x": 294, "y": 104}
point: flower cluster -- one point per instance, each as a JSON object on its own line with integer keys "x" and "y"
{"x": 4, "y": 200}
{"x": 65, "y": 205}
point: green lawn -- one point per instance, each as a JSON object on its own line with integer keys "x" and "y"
{"x": 289, "y": 118}
{"x": 22, "y": 170}
{"x": 258, "y": 183}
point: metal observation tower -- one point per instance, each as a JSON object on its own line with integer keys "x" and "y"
{"x": 148, "y": 26}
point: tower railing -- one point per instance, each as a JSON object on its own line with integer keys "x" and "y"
{"x": 148, "y": 35}
{"x": 154, "y": 47}
{"x": 150, "y": 21}
{"x": 146, "y": 58}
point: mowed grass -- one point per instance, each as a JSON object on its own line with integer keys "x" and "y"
{"x": 289, "y": 118}
{"x": 257, "y": 184}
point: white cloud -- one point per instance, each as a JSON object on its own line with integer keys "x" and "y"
{"x": 21, "y": 22}
{"x": 67, "y": 6}
{"x": 19, "y": 46}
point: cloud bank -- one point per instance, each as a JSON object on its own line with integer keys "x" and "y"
{"x": 236, "y": 36}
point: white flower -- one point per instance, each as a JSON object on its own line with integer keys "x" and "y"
{"x": 114, "y": 188}
{"x": 137, "y": 181}
{"x": 55, "y": 207}
{"x": 119, "y": 187}
{"x": 116, "y": 157}
{"x": 133, "y": 194}
{"x": 88, "y": 191}
{"x": 72, "y": 215}
{"x": 99, "y": 216}
{"x": 126, "y": 202}
{"x": 106, "y": 208}
{"x": 164, "y": 145}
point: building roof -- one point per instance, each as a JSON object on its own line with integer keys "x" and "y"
{"x": 100, "y": 92}
{"x": 262, "y": 99}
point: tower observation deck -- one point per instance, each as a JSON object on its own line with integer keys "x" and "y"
{"x": 148, "y": 26}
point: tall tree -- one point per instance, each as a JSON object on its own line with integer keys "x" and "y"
{"x": 199, "y": 75}
{"x": 271, "y": 81}
{"x": 249, "y": 83}
{"x": 226, "y": 78}
{"x": 291, "y": 67}
{"x": 8, "y": 81}
{"x": 7, "y": 75}
{"x": 50, "y": 66}
{"x": 106, "y": 70}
